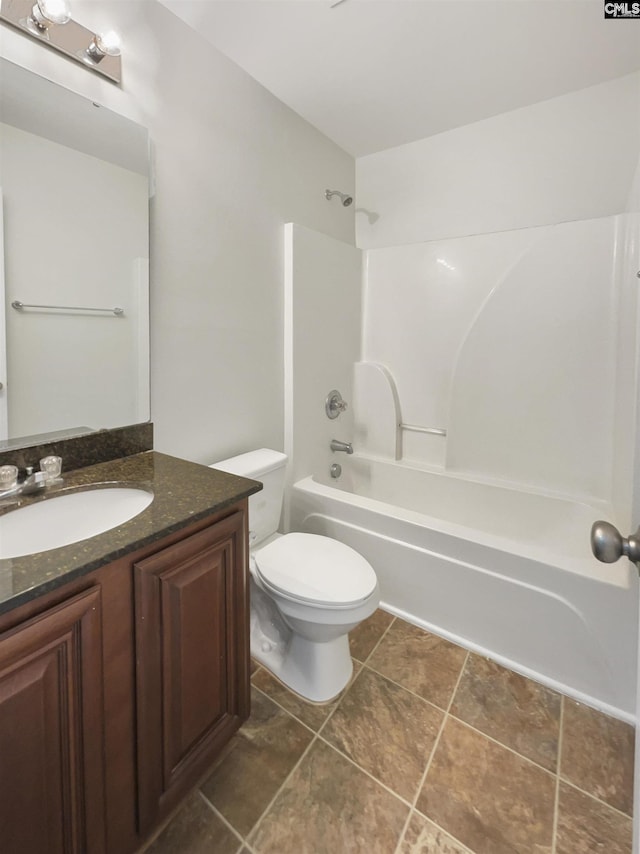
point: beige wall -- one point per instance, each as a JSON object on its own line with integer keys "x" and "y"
{"x": 232, "y": 165}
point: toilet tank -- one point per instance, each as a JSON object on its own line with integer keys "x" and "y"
{"x": 265, "y": 507}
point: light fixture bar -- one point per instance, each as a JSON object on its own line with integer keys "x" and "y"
{"x": 70, "y": 38}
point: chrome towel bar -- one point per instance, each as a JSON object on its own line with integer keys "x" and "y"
{"x": 20, "y": 305}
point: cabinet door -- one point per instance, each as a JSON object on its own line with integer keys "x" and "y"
{"x": 192, "y": 660}
{"x": 51, "y": 732}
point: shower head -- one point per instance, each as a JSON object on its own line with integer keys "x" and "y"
{"x": 346, "y": 200}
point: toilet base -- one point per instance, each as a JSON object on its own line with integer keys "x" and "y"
{"x": 316, "y": 671}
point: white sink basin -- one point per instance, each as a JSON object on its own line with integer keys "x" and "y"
{"x": 68, "y": 518}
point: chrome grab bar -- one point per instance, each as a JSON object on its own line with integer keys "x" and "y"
{"x": 431, "y": 431}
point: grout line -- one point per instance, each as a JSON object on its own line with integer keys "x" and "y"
{"x": 563, "y": 779}
{"x": 556, "y": 803}
{"x": 595, "y": 798}
{"x": 339, "y": 703}
{"x": 381, "y": 638}
{"x": 430, "y": 760}
{"x": 501, "y": 744}
{"x": 284, "y": 783}
{"x": 404, "y": 687}
{"x": 450, "y": 703}
{"x": 364, "y": 771}
{"x": 219, "y": 815}
{"x": 280, "y": 706}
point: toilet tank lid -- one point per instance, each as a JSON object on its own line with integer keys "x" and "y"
{"x": 252, "y": 464}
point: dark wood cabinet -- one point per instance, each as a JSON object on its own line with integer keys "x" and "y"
{"x": 52, "y": 731}
{"x": 190, "y": 661}
{"x": 118, "y": 690}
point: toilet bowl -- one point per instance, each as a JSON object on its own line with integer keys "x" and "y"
{"x": 307, "y": 591}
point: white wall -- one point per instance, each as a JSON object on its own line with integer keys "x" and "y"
{"x": 572, "y": 157}
{"x": 51, "y": 195}
{"x": 322, "y": 342}
{"x": 232, "y": 165}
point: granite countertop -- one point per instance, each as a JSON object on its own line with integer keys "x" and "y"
{"x": 184, "y": 492}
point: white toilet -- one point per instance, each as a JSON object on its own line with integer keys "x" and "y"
{"x": 307, "y": 591}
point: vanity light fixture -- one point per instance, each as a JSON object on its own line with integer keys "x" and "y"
{"x": 50, "y": 22}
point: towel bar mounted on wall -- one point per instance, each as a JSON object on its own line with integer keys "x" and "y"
{"x": 119, "y": 312}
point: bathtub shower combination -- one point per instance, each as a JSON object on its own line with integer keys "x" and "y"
{"x": 504, "y": 572}
{"x": 492, "y": 417}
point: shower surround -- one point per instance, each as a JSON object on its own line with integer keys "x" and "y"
{"x": 489, "y": 353}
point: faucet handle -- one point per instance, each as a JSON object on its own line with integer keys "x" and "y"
{"x": 51, "y": 466}
{"x": 8, "y": 477}
{"x": 334, "y": 404}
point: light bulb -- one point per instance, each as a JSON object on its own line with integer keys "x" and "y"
{"x": 109, "y": 43}
{"x": 47, "y": 12}
{"x": 103, "y": 44}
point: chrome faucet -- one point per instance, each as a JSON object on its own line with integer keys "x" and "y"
{"x": 336, "y": 445}
{"x": 49, "y": 473}
{"x": 32, "y": 483}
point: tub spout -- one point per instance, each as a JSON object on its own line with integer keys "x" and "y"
{"x": 341, "y": 446}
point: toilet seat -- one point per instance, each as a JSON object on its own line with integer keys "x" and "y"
{"x": 316, "y": 570}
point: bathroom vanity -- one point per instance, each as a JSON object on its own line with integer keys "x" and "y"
{"x": 124, "y": 661}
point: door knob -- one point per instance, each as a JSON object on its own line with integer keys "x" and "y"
{"x": 608, "y": 544}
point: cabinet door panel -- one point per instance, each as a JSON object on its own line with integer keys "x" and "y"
{"x": 194, "y": 632}
{"x": 51, "y": 731}
{"x": 191, "y": 649}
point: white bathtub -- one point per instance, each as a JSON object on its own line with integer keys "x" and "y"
{"x": 505, "y": 572}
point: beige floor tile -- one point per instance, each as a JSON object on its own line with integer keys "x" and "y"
{"x": 588, "y": 826}
{"x": 363, "y": 639}
{"x": 195, "y": 829}
{"x": 479, "y": 797}
{"x": 491, "y": 799}
{"x": 424, "y": 837}
{"x": 260, "y": 757}
{"x": 417, "y": 660}
{"x": 386, "y": 730}
{"x": 328, "y": 806}
{"x": 597, "y": 755}
{"x": 514, "y": 710}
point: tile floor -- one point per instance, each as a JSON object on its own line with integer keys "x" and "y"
{"x": 430, "y": 750}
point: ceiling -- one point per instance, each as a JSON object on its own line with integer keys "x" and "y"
{"x": 374, "y": 74}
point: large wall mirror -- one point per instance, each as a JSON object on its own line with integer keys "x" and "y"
{"x": 74, "y": 316}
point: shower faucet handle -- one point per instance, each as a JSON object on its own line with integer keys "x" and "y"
{"x": 334, "y": 404}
